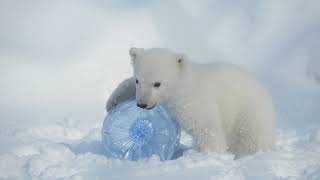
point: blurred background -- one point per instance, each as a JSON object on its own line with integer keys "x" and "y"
{"x": 61, "y": 59}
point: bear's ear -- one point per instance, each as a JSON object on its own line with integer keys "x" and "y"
{"x": 180, "y": 59}
{"x": 134, "y": 53}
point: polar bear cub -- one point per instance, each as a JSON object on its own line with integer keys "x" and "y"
{"x": 224, "y": 108}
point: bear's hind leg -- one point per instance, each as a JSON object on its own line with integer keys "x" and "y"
{"x": 254, "y": 131}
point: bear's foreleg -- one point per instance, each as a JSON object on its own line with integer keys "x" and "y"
{"x": 125, "y": 90}
{"x": 208, "y": 133}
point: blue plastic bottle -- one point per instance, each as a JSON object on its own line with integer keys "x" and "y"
{"x": 133, "y": 133}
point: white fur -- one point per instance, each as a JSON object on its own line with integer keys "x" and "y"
{"x": 224, "y": 108}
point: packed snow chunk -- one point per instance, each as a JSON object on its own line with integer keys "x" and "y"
{"x": 11, "y": 167}
{"x": 132, "y": 133}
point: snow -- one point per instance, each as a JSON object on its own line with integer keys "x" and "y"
{"x": 47, "y": 152}
{"x": 54, "y": 83}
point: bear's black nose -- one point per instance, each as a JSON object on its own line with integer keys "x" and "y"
{"x": 143, "y": 106}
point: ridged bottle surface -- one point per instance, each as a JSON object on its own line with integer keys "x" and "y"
{"x": 133, "y": 133}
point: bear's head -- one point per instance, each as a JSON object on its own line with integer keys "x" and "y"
{"x": 157, "y": 71}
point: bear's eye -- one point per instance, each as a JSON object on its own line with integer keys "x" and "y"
{"x": 157, "y": 84}
{"x": 137, "y": 81}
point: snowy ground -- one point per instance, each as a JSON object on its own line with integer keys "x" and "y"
{"x": 60, "y": 60}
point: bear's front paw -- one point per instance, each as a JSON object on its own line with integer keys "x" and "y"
{"x": 111, "y": 103}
